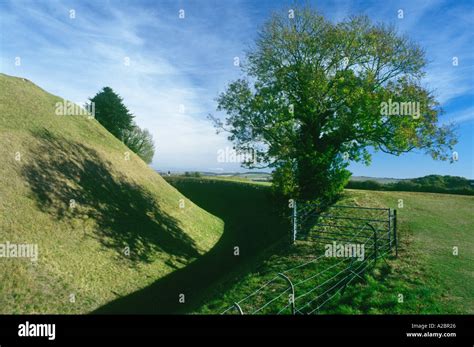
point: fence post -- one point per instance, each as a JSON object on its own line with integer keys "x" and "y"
{"x": 237, "y": 306}
{"x": 395, "y": 238}
{"x": 375, "y": 243}
{"x": 292, "y": 302}
{"x": 389, "y": 228}
{"x": 295, "y": 222}
{"x": 375, "y": 246}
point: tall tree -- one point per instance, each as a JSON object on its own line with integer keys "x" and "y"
{"x": 112, "y": 113}
{"x": 317, "y": 95}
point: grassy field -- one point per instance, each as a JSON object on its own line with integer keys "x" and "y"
{"x": 105, "y": 226}
{"x": 241, "y": 179}
{"x": 435, "y": 223}
{"x": 427, "y": 274}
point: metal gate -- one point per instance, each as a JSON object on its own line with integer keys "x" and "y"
{"x": 308, "y": 287}
{"x": 339, "y": 223}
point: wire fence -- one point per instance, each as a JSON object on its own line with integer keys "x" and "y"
{"x": 308, "y": 287}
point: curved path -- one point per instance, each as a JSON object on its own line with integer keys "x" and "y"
{"x": 251, "y": 223}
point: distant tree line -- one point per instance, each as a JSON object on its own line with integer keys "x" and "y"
{"x": 430, "y": 184}
{"x": 192, "y": 174}
{"x": 111, "y": 112}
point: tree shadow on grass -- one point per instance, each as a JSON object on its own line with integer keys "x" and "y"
{"x": 73, "y": 183}
{"x": 251, "y": 224}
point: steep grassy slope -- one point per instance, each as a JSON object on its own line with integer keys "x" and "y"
{"x": 105, "y": 224}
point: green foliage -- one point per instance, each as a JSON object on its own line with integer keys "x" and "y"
{"x": 311, "y": 101}
{"x": 447, "y": 182}
{"x": 140, "y": 141}
{"x": 116, "y": 118}
{"x": 369, "y": 185}
{"x": 112, "y": 113}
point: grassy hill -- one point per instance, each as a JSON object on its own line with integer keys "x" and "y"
{"x": 105, "y": 226}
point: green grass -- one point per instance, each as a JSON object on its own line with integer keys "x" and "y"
{"x": 119, "y": 203}
{"x": 433, "y": 224}
{"x": 427, "y": 274}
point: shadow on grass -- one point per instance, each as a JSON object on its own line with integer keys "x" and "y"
{"x": 251, "y": 224}
{"x": 125, "y": 215}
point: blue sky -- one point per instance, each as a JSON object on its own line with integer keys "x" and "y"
{"x": 177, "y": 66}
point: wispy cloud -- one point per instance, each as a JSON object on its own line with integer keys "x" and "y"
{"x": 176, "y": 63}
{"x": 463, "y": 116}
